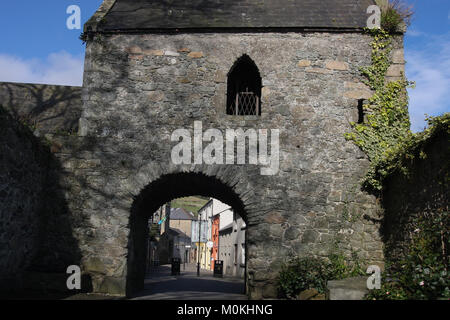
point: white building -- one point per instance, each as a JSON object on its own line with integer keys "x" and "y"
{"x": 232, "y": 244}
{"x": 229, "y": 246}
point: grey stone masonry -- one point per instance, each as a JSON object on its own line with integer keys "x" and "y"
{"x": 139, "y": 88}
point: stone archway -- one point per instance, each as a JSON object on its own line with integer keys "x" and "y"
{"x": 116, "y": 203}
{"x": 155, "y": 194}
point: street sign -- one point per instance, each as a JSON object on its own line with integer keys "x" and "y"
{"x": 204, "y": 232}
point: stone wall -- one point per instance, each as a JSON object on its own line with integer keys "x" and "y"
{"x": 35, "y": 224}
{"x": 45, "y": 108}
{"x": 423, "y": 191}
{"x": 140, "y": 88}
{"x": 23, "y": 172}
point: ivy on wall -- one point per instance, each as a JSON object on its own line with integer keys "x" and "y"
{"x": 386, "y": 124}
{"x": 391, "y": 147}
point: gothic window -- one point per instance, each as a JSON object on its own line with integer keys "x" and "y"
{"x": 244, "y": 88}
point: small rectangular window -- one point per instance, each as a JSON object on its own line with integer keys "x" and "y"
{"x": 361, "y": 111}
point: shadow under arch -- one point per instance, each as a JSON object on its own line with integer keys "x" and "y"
{"x": 156, "y": 194}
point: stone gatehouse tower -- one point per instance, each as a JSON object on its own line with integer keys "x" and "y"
{"x": 153, "y": 67}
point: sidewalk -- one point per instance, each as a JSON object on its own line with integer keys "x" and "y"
{"x": 161, "y": 285}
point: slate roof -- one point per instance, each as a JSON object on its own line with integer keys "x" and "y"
{"x": 178, "y": 233}
{"x": 180, "y": 214}
{"x": 137, "y": 15}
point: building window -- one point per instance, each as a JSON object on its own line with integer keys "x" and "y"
{"x": 235, "y": 253}
{"x": 243, "y": 253}
{"x": 361, "y": 111}
{"x": 244, "y": 88}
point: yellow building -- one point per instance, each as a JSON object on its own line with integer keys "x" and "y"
{"x": 205, "y": 256}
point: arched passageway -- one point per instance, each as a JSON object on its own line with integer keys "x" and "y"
{"x": 156, "y": 194}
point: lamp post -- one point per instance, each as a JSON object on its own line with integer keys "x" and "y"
{"x": 198, "y": 251}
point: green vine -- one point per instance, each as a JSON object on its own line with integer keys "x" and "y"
{"x": 386, "y": 124}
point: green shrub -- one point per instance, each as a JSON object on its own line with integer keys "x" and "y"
{"x": 301, "y": 274}
{"x": 304, "y": 273}
{"x": 422, "y": 272}
{"x": 396, "y": 13}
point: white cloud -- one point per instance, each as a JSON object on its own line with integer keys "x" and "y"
{"x": 414, "y": 33}
{"x": 429, "y": 67}
{"x": 59, "y": 68}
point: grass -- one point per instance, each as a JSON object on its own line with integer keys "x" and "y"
{"x": 192, "y": 203}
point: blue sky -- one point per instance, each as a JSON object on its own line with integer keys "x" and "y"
{"x": 37, "y": 47}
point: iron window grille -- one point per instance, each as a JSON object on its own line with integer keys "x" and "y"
{"x": 246, "y": 103}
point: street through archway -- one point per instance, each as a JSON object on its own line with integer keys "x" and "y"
{"x": 159, "y": 284}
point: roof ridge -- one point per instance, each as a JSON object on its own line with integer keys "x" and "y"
{"x": 145, "y": 15}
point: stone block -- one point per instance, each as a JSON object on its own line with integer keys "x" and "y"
{"x": 354, "y": 288}
{"x": 270, "y": 291}
{"x": 307, "y": 294}
{"x": 195, "y": 55}
{"x": 274, "y": 217}
{"x": 291, "y": 233}
{"x": 358, "y": 94}
{"x": 136, "y": 57}
{"x": 153, "y": 52}
{"x": 155, "y": 96}
{"x": 171, "y": 53}
{"x": 398, "y": 56}
{"x": 220, "y": 76}
{"x": 183, "y": 80}
{"x": 94, "y": 264}
{"x": 113, "y": 286}
{"x": 310, "y": 236}
{"x": 336, "y": 65}
{"x": 318, "y": 70}
{"x": 326, "y": 238}
{"x": 355, "y": 85}
{"x": 395, "y": 70}
{"x": 134, "y": 50}
{"x": 303, "y": 63}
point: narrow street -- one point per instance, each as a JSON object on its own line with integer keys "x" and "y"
{"x": 161, "y": 285}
